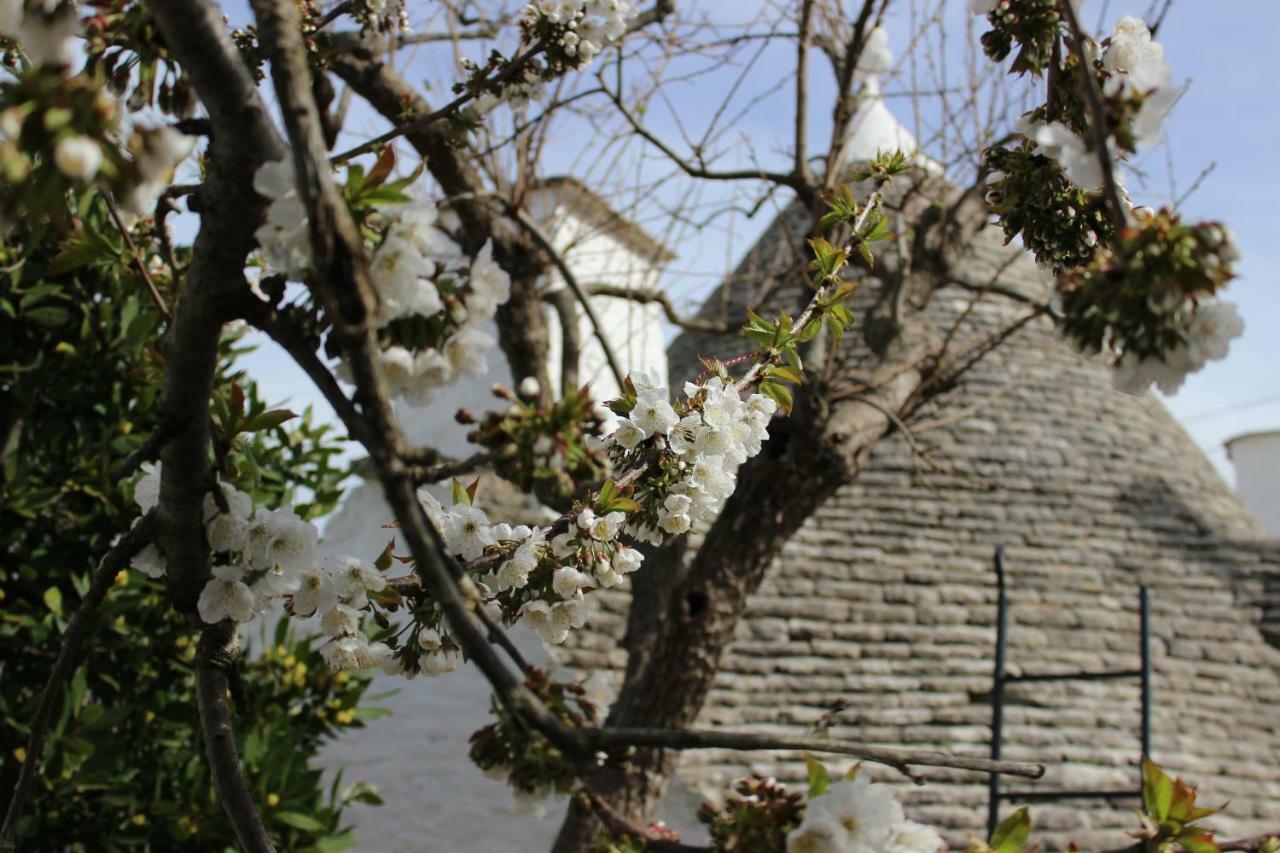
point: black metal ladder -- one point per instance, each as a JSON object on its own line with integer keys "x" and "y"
{"x": 1001, "y": 679}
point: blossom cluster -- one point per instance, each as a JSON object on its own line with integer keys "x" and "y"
{"x": 1134, "y": 283}
{"x": 696, "y": 450}
{"x": 1138, "y": 85}
{"x": 378, "y": 16}
{"x": 1151, "y": 298}
{"x": 1060, "y": 223}
{"x": 537, "y": 576}
{"x": 58, "y": 129}
{"x": 547, "y": 449}
{"x": 264, "y": 557}
{"x": 574, "y": 31}
{"x": 683, "y": 466}
{"x": 46, "y": 37}
{"x": 857, "y": 816}
{"x": 532, "y": 766}
{"x": 1030, "y": 25}
{"x": 433, "y": 301}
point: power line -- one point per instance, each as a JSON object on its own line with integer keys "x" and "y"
{"x": 1235, "y": 407}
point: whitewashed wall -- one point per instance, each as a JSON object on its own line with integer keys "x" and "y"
{"x": 1256, "y": 459}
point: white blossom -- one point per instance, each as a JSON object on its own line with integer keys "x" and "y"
{"x": 352, "y": 653}
{"x": 439, "y": 662}
{"x": 653, "y": 414}
{"x": 567, "y": 581}
{"x": 340, "y": 620}
{"x": 293, "y": 547}
{"x": 489, "y": 284}
{"x": 146, "y": 492}
{"x": 285, "y": 237}
{"x": 400, "y": 275}
{"x": 912, "y": 837}
{"x": 157, "y": 151}
{"x": 465, "y": 350}
{"x": 852, "y": 815}
{"x": 1213, "y": 326}
{"x": 628, "y": 434}
{"x": 353, "y": 579}
{"x": 537, "y": 616}
{"x": 569, "y": 614}
{"x": 77, "y": 157}
{"x": 601, "y": 528}
{"x": 150, "y": 561}
{"x": 315, "y": 593}
{"x": 228, "y": 531}
{"x": 271, "y": 587}
{"x": 1210, "y": 329}
{"x": 48, "y": 38}
{"x": 467, "y": 532}
{"x": 514, "y": 572}
{"x": 626, "y": 560}
{"x": 226, "y": 596}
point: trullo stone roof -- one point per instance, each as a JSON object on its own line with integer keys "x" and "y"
{"x": 885, "y": 601}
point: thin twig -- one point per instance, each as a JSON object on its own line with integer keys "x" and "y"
{"x": 422, "y": 474}
{"x": 149, "y": 450}
{"x": 619, "y": 825}
{"x": 646, "y": 295}
{"x": 514, "y": 67}
{"x": 103, "y": 577}
{"x": 136, "y": 260}
{"x": 539, "y": 236}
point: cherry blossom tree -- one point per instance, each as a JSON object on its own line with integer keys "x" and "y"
{"x": 380, "y": 271}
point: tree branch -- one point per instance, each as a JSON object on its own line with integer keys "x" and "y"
{"x": 215, "y": 654}
{"x": 103, "y": 577}
{"x": 420, "y": 122}
{"x": 643, "y": 296}
{"x": 618, "y": 824}
{"x": 243, "y": 139}
{"x": 565, "y": 305}
{"x": 195, "y": 34}
{"x": 1097, "y": 115}
{"x": 900, "y": 759}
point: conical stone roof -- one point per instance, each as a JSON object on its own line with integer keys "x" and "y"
{"x": 885, "y": 602}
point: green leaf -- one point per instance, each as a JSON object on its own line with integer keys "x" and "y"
{"x": 362, "y": 792}
{"x": 1157, "y": 790}
{"x": 268, "y": 420}
{"x": 80, "y": 249}
{"x": 819, "y": 777}
{"x": 1012, "y": 833}
{"x": 787, "y": 373}
{"x": 299, "y": 821}
{"x": 48, "y": 316}
{"x": 53, "y": 600}
{"x": 607, "y": 493}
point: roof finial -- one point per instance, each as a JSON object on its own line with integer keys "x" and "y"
{"x": 873, "y": 127}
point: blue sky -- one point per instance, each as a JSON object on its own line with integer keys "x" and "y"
{"x": 1228, "y": 116}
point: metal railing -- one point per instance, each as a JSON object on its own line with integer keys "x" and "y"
{"x": 1002, "y": 679}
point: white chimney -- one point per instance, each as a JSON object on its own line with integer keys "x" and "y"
{"x": 1256, "y": 458}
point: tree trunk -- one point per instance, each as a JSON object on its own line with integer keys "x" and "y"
{"x": 681, "y": 620}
